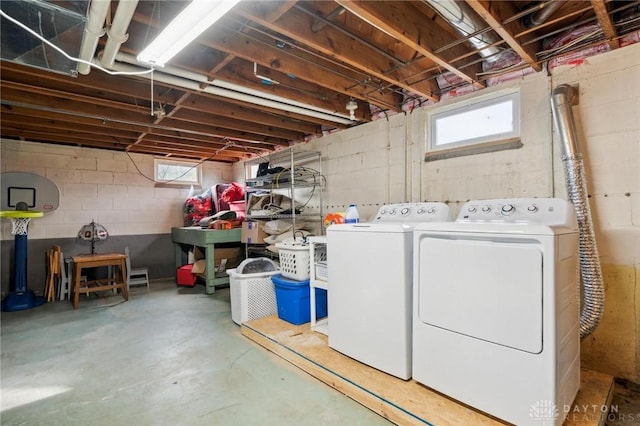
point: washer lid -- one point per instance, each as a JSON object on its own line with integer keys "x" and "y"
{"x": 371, "y": 227}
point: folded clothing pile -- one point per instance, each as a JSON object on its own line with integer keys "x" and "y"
{"x": 280, "y": 230}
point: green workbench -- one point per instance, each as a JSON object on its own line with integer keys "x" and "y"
{"x": 206, "y": 239}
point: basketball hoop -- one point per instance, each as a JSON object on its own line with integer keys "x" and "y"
{"x": 20, "y": 298}
{"x": 20, "y": 220}
{"x": 23, "y": 197}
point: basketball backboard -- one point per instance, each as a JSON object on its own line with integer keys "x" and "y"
{"x": 28, "y": 191}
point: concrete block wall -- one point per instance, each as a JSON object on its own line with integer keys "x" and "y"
{"x": 383, "y": 162}
{"x": 114, "y": 189}
{"x": 608, "y": 122}
{"x": 523, "y": 172}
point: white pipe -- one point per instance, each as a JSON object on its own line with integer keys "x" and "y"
{"x": 262, "y": 77}
{"x": 228, "y": 93}
{"x": 93, "y": 30}
{"x": 118, "y": 31}
{"x": 237, "y": 90}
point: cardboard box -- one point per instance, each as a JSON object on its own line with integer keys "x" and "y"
{"x": 234, "y": 256}
{"x": 252, "y": 233}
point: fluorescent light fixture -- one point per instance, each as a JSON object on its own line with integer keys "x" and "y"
{"x": 189, "y": 24}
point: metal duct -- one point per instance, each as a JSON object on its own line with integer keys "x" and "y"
{"x": 464, "y": 19}
{"x": 540, "y": 17}
{"x": 591, "y": 274}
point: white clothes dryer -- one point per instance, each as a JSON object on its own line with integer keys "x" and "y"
{"x": 496, "y": 308}
{"x": 370, "y": 285}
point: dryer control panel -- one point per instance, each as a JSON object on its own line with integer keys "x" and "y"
{"x": 544, "y": 211}
{"x": 412, "y": 212}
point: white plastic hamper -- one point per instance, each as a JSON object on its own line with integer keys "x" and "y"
{"x": 253, "y": 295}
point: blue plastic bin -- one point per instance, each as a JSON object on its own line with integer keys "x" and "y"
{"x": 292, "y": 299}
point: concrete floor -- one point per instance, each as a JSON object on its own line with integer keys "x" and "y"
{"x": 169, "y": 356}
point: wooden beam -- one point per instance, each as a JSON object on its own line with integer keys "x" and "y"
{"x": 302, "y": 66}
{"x": 394, "y": 20}
{"x": 609, "y": 31}
{"x": 113, "y": 111}
{"x": 236, "y": 124}
{"x": 494, "y": 13}
{"x": 297, "y": 25}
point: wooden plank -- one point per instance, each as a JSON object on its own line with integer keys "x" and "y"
{"x": 402, "y": 402}
{"x": 608, "y": 29}
{"x": 596, "y": 392}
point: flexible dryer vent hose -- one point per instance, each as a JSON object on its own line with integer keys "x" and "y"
{"x": 591, "y": 274}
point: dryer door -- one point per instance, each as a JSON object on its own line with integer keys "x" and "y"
{"x": 488, "y": 289}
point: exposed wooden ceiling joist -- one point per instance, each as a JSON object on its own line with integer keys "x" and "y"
{"x": 272, "y": 74}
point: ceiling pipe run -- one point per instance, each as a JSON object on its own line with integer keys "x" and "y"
{"x": 465, "y": 21}
{"x": 541, "y": 16}
{"x": 93, "y": 30}
{"x": 194, "y": 81}
{"x": 118, "y": 31}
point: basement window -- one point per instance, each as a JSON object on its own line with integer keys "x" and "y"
{"x": 180, "y": 173}
{"x": 479, "y": 125}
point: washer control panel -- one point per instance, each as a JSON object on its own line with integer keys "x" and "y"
{"x": 544, "y": 211}
{"x": 412, "y": 212}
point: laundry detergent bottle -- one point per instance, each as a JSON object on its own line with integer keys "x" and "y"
{"x": 351, "y": 214}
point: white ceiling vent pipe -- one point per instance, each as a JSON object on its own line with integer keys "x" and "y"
{"x": 186, "y": 83}
{"x": 464, "y": 19}
{"x": 239, "y": 90}
{"x": 93, "y": 30}
{"x": 118, "y": 31}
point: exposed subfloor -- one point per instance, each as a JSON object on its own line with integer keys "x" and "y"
{"x": 409, "y": 402}
{"x": 167, "y": 356}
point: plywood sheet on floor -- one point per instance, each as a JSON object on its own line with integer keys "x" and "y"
{"x": 402, "y": 402}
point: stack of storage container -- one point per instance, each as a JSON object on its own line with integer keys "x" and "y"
{"x": 292, "y": 284}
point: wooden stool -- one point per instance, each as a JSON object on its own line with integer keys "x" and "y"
{"x": 93, "y": 261}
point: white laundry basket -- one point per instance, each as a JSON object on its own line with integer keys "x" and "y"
{"x": 252, "y": 294}
{"x": 294, "y": 258}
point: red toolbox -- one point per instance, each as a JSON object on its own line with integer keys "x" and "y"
{"x": 185, "y": 277}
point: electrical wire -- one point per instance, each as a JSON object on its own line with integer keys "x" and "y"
{"x": 227, "y": 145}
{"x": 560, "y": 49}
{"x": 310, "y": 173}
{"x": 65, "y": 54}
{"x": 44, "y": 52}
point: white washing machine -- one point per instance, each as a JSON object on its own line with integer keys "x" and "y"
{"x": 370, "y": 285}
{"x": 495, "y": 318}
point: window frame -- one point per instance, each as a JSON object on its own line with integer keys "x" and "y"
{"x": 177, "y": 181}
{"x": 491, "y": 142}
